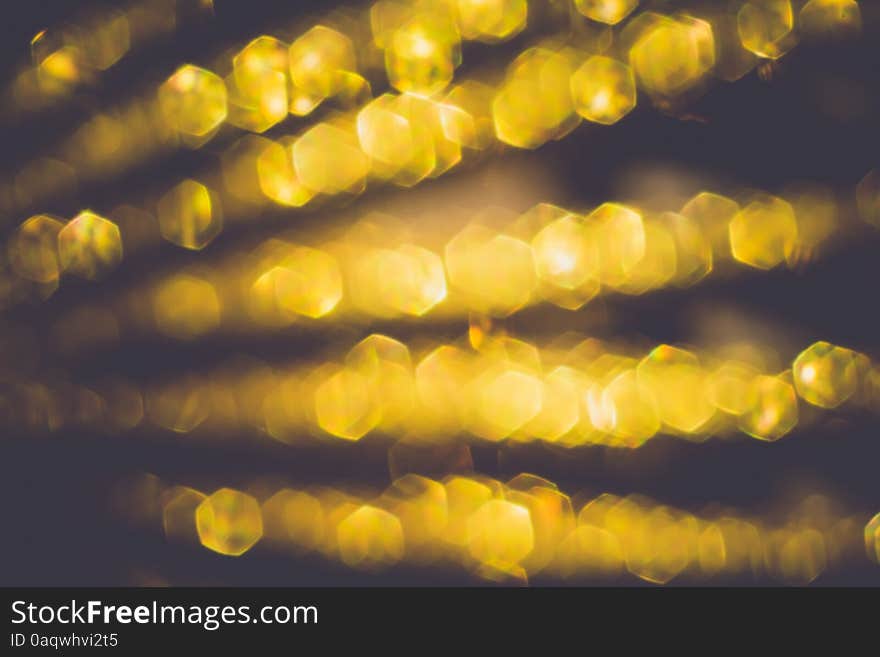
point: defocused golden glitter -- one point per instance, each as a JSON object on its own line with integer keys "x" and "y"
{"x": 388, "y": 249}
{"x": 520, "y": 528}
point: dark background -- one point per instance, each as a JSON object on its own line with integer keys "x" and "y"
{"x": 59, "y": 528}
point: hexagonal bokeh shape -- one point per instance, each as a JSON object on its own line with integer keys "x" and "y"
{"x": 536, "y": 73}
{"x": 262, "y": 106}
{"x": 620, "y": 239}
{"x": 764, "y": 233}
{"x": 564, "y": 255}
{"x": 420, "y": 503}
{"x": 826, "y": 375}
{"x": 659, "y": 263}
{"x": 89, "y": 245}
{"x": 492, "y": 272}
{"x": 262, "y": 55}
{"x": 370, "y": 538}
{"x": 506, "y": 402}
{"x": 189, "y": 215}
{"x": 407, "y": 280}
{"x": 385, "y": 135}
{"x": 329, "y": 160}
{"x": 772, "y": 410}
{"x": 317, "y": 59}
{"x": 33, "y": 249}
{"x": 674, "y": 55}
{"x": 695, "y": 256}
{"x": 385, "y": 363}
{"x": 229, "y": 522}
{"x": 178, "y": 514}
{"x": 500, "y": 532}
{"x": 765, "y": 27}
{"x": 603, "y": 89}
{"x": 678, "y": 384}
{"x": 344, "y": 405}
{"x": 441, "y": 377}
{"x": 277, "y": 178}
{"x": 308, "y": 282}
{"x": 713, "y": 213}
{"x": 193, "y": 100}
{"x": 295, "y": 519}
{"x": 422, "y": 55}
{"x": 627, "y": 410}
{"x": 560, "y": 407}
{"x": 258, "y": 84}
{"x": 729, "y": 387}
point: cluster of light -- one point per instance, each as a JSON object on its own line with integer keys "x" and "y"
{"x": 588, "y": 393}
{"x": 88, "y": 246}
{"x": 500, "y": 262}
{"x": 430, "y": 397}
{"x": 407, "y": 138}
{"x": 376, "y": 269}
{"x": 585, "y": 395}
{"x": 509, "y": 531}
{"x": 73, "y": 54}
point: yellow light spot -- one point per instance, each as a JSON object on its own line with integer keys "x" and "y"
{"x": 826, "y": 375}
{"x": 277, "y": 177}
{"x": 33, "y": 249}
{"x": 604, "y": 90}
{"x": 491, "y": 20}
{"x": 193, "y": 101}
{"x": 772, "y": 409}
{"x": 422, "y": 55}
{"x": 370, "y": 538}
{"x": 620, "y": 239}
{"x": 500, "y": 532}
{"x": 610, "y": 12}
{"x": 674, "y": 55}
{"x": 317, "y": 60}
{"x": 677, "y": 383}
{"x": 491, "y": 272}
{"x": 765, "y": 27}
{"x": 89, "y": 245}
{"x": 189, "y": 216}
{"x": 536, "y": 73}
{"x": 763, "y": 234}
{"x": 328, "y": 160}
{"x": 344, "y": 406}
{"x": 229, "y": 522}
{"x": 505, "y": 403}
